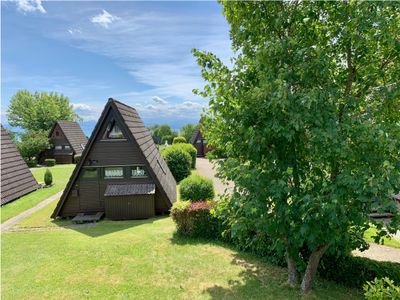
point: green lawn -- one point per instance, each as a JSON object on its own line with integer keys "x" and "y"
{"x": 61, "y": 174}
{"x": 391, "y": 242}
{"x": 136, "y": 259}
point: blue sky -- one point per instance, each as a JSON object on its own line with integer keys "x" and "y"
{"x": 136, "y": 52}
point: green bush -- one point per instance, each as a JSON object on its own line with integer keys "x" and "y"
{"x": 48, "y": 177}
{"x": 167, "y": 138}
{"x": 189, "y": 148}
{"x": 179, "y": 140}
{"x": 31, "y": 162}
{"x": 77, "y": 158}
{"x": 50, "y": 162}
{"x": 354, "y": 271}
{"x": 197, "y": 188}
{"x": 195, "y": 219}
{"x": 178, "y": 162}
{"x": 381, "y": 289}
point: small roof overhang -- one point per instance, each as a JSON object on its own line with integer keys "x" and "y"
{"x": 129, "y": 189}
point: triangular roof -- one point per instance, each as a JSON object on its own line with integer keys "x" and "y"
{"x": 154, "y": 162}
{"x": 16, "y": 178}
{"x": 73, "y": 133}
{"x": 195, "y": 135}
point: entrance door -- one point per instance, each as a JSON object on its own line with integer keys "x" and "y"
{"x": 89, "y": 197}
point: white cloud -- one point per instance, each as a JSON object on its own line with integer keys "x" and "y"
{"x": 73, "y": 31}
{"x": 30, "y": 6}
{"x": 159, "y": 100}
{"x": 82, "y": 106}
{"x": 104, "y": 19}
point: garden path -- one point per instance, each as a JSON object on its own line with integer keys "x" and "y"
{"x": 7, "y": 225}
{"x": 206, "y": 168}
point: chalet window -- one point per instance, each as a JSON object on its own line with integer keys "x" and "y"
{"x": 113, "y": 132}
{"x": 89, "y": 173}
{"x": 113, "y": 172}
{"x": 57, "y": 133}
{"x": 58, "y": 147}
{"x": 198, "y": 142}
{"x": 66, "y": 147}
{"x": 138, "y": 171}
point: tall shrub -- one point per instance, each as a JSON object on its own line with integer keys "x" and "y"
{"x": 48, "y": 177}
{"x": 189, "y": 148}
{"x": 178, "y": 162}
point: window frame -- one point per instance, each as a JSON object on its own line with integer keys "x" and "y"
{"x": 81, "y": 176}
{"x": 110, "y": 126}
{"x": 110, "y": 167}
{"x": 58, "y": 147}
{"x": 130, "y": 169}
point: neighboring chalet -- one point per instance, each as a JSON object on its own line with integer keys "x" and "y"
{"x": 67, "y": 139}
{"x": 200, "y": 143}
{"x": 121, "y": 172}
{"x": 16, "y": 178}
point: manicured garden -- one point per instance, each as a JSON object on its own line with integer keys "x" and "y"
{"x": 137, "y": 259}
{"x": 61, "y": 174}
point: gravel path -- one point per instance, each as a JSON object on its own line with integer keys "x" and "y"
{"x": 381, "y": 253}
{"x": 206, "y": 168}
{"x": 7, "y": 225}
{"x": 376, "y": 252}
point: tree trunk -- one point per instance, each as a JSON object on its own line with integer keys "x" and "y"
{"x": 292, "y": 272}
{"x": 312, "y": 267}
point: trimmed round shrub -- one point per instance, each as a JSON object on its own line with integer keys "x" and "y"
{"x": 48, "y": 177}
{"x": 77, "y": 158}
{"x": 50, "y": 162}
{"x": 178, "y": 162}
{"x": 196, "y": 188}
{"x": 179, "y": 140}
{"x": 195, "y": 219}
{"x": 189, "y": 148}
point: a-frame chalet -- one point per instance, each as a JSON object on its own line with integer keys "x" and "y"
{"x": 121, "y": 172}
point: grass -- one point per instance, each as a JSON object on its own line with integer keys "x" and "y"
{"x": 61, "y": 174}
{"x": 391, "y": 242}
{"x": 136, "y": 259}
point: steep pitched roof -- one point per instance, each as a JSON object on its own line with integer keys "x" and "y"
{"x": 16, "y": 179}
{"x": 195, "y": 134}
{"x": 73, "y": 133}
{"x": 155, "y": 163}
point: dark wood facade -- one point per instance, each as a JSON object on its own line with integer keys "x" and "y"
{"x": 200, "y": 143}
{"x": 67, "y": 139}
{"x": 16, "y": 178}
{"x": 129, "y": 159}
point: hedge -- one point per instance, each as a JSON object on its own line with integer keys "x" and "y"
{"x": 354, "y": 271}
{"x": 381, "y": 289}
{"x": 195, "y": 219}
{"x": 189, "y": 148}
{"x": 179, "y": 140}
{"x": 50, "y": 162}
{"x": 196, "y": 188}
{"x": 178, "y": 162}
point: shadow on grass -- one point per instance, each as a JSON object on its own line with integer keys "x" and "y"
{"x": 261, "y": 279}
{"x": 104, "y": 226}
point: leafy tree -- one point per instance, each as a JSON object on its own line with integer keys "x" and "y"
{"x": 39, "y": 111}
{"x": 162, "y": 133}
{"x": 309, "y": 117}
{"x": 187, "y": 131}
{"x": 32, "y": 143}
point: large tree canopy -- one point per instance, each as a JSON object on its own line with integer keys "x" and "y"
{"x": 187, "y": 131}
{"x": 39, "y": 111}
{"x": 309, "y": 116}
